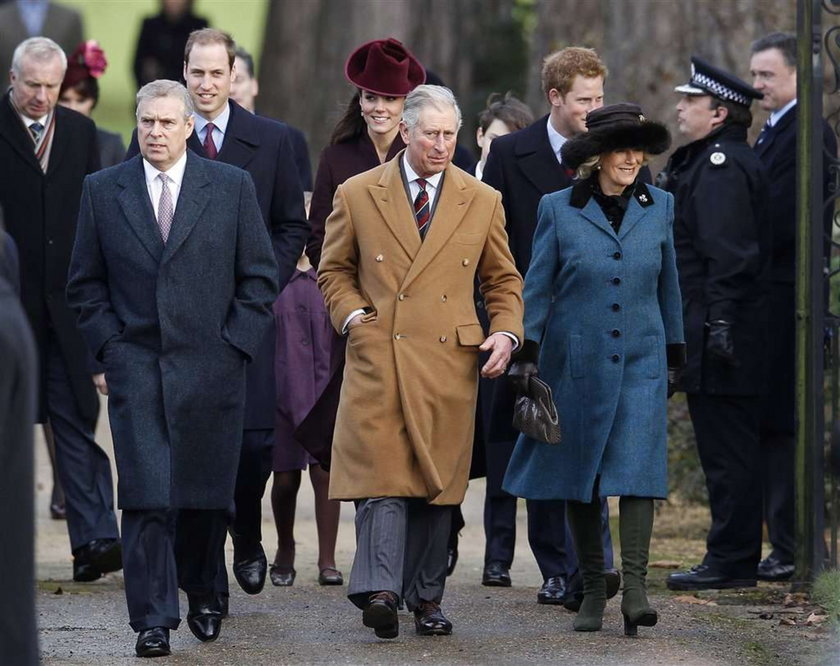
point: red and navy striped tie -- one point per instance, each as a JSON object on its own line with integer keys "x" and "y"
{"x": 421, "y": 208}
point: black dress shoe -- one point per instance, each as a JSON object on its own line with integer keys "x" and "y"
{"x": 330, "y": 576}
{"x": 381, "y": 615}
{"x": 496, "y": 574}
{"x": 429, "y": 620}
{"x": 553, "y": 591}
{"x": 95, "y": 558}
{"x": 451, "y": 559}
{"x": 58, "y": 511}
{"x": 282, "y": 576}
{"x": 703, "y": 577}
{"x": 223, "y": 603}
{"x": 773, "y": 569}
{"x": 153, "y": 642}
{"x": 204, "y": 618}
{"x": 249, "y": 568}
{"x": 574, "y": 588}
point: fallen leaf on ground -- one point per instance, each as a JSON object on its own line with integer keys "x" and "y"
{"x": 795, "y": 599}
{"x": 816, "y": 619}
{"x": 787, "y": 621}
{"x": 688, "y": 599}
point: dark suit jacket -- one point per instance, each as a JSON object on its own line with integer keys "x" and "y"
{"x": 262, "y": 147}
{"x": 160, "y": 47}
{"x": 18, "y": 392}
{"x": 61, "y": 24}
{"x": 9, "y": 261}
{"x": 174, "y": 325}
{"x": 41, "y": 211}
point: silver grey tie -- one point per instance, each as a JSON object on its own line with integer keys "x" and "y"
{"x": 165, "y": 209}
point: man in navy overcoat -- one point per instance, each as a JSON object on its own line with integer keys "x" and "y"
{"x": 226, "y": 132}
{"x": 173, "y": 277}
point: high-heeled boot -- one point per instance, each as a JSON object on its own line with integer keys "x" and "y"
{"x": 585, "y": 521}
{"x": 635, "y": 523}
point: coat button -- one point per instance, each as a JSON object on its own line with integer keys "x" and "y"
{"x": 616, "y": 255}
{"x": 443, "y": 338}
{"x": 616, "y": 333}
{"x": 465, "y": 262}
{"x": 401, "y": 297}
{"x": 616, "y": 280}
{"x": 443, "y": 299}
{"x": 379, "y": 257}
{"x": 397, "y": 336}
{"x": 616, "y": 307}
{"x": 616, "y": 358}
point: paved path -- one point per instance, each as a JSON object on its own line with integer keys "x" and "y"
{"x": 87, "y": 623}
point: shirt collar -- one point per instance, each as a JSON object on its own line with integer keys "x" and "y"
{"x": 411, "y": 175}
{"x": 555, "y": 138}
{"x": 220, "y": 122}
{"x": 175, "y": 172}
{"x": 776, "y": 116}
{"x": 26, "y": 119}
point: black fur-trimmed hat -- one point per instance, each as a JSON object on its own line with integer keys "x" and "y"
{"x": 615, "y": 127}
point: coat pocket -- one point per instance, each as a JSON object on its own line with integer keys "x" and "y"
{"x": 576, "y": 360}
{"x": 470, "y": 335}
{"x": 467, "y": 239}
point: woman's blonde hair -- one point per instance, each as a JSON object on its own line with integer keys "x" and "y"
{"x": 592, "y": 164}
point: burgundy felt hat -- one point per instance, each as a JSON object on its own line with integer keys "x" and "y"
{"x": 384, "y": 67}
{"x": 88, "y": 60}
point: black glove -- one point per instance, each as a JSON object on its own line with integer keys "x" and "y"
{"x": 719, "y": 342}
{"x": 519, "y": 374}
{"x": 674, "y": 376}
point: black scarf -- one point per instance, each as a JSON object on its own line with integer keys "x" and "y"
{"x": 615, "y": 205}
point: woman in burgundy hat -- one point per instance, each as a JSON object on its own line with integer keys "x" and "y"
{"x": 80, "y": 92}
{"x": 367, "y": 135}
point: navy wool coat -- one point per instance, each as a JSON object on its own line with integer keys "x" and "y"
{"x": 603, "y": 306}
{"x": 174, "y": 325}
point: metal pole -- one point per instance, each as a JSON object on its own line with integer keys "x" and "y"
{"x": 809, "y": 296}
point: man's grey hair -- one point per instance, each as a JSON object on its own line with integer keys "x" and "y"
{"x": 40, "y": 49}
{"x": 165, "y": 88}
{"x": 418, "y": 99}
{"x": 784, "y": 41}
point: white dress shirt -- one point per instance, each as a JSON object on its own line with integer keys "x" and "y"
{"x": 176, "y": 178}
{"x": 220, "y": 123}
{"x": 556, "y": 140}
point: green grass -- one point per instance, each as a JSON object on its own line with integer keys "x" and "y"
{"x": 115, "y": 24}
{"x": 826, "y": 592}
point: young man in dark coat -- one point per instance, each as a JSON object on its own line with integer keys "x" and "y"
{"x": 173, "y": 278}
{"x": 773, "y": 68}
{"x": 723, "y": 245}
{"x": 45, "y": 153}
{"x": 524, "y": 166}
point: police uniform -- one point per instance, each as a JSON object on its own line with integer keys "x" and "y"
{"x": 723, "y": 256}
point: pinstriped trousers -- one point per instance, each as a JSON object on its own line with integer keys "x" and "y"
{"x": 401, "y": 547}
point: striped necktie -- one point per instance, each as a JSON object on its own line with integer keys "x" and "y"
{"x": 36, "y": 129}
{"x": 421, "y": 208}
{"x": 166, "y": 209}
{"x": 209, "y": 144}
{"x": 765, "y": 132}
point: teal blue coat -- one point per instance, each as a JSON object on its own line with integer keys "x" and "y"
{"x": 603, "y": 307}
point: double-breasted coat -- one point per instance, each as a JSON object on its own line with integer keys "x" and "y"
{"x": 603, "y": 307}
{"x": 40, "y": 211}
{"x": 406, "y": 415}
{"x": 174, "y": 325}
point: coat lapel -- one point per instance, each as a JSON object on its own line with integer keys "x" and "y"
{"x": 455, "y": 197}
{"x": 592, "y": 212}
{"x": 537, "y": 160}
{"x": 391, "y": 201}
{"x": 11, "y": 127}
{"x": 61, "y": 138}
{"x": 137, "y": 208}
{"x": 636, "y": 209}
{"x": 191, "y": 204}
{"x": 241, "y": 138}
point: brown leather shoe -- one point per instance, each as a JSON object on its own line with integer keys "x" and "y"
{"x": 381, "y": 615}
{"x": 429, "y": 620}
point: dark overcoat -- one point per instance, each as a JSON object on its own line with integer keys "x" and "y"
{"x": 262, "y": 147}
{"x": 40, "y": 212}
{"x": 778, "y": 154}
{"x": 174, "y": 325}
{"x": 603, "y": 306}
{"x": 724, "y": 244}
{"x": 111, "y": 148}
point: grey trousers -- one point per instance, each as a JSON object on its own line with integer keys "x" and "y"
{"x": 401, "y": 547}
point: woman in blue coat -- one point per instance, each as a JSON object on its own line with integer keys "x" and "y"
{"x": 603, "y": 318}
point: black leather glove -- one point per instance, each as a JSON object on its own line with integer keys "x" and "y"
{"x": 519, "y": 374}
{"x": 719, "y": 342}
{"x": 674, "y": 376}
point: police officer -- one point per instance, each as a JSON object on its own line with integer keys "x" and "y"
{"x": 723, "y": 256}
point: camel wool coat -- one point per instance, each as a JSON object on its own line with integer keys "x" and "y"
{"x": 407, "y": 409}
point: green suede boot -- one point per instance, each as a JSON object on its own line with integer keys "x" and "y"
{"x": 635, "y": 523}
{"x": 585, "y": 521}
